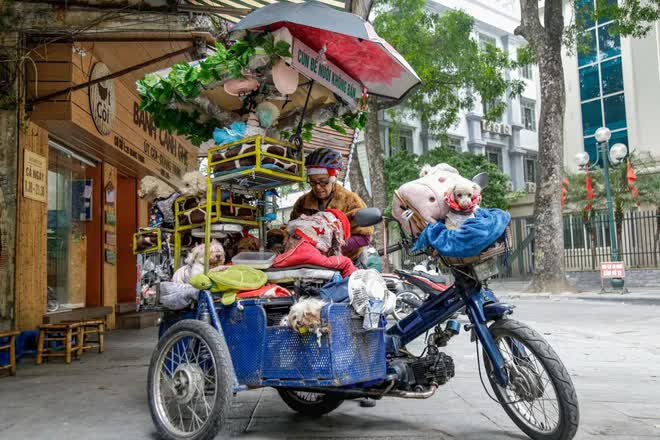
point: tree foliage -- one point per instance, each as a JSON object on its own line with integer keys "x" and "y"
{"x": 454, "y": 69}
{"x": 647, "y": 183}
{"x": 403, "y": 167}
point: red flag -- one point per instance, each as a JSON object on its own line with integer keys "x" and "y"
{"x": 590, "y": 192}
{"x": 631, "y": 176}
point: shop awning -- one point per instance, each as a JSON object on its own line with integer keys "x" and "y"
{"x": 234, "y": 10}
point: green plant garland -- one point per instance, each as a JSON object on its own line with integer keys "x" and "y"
{"x": 185, "y": 82}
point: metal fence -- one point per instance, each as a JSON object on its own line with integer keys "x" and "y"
{"x": 586, "y": 245}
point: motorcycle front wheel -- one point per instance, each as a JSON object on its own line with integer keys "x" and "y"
{"x": 540, "y": 397}
{"x": 405, "y": 304}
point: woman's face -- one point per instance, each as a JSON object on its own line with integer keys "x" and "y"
{"x": 321, "y": 186}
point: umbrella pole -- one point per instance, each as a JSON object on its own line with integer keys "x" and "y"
{"x": 297, "y": 136}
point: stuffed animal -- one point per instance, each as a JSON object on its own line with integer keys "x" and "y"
{"x": 152, "y": 188}
{"x": 426, "y": 195}
{"x": 162, "y": 197}
{"x": 275, "y": 239}
{"x": 194, "y": 183}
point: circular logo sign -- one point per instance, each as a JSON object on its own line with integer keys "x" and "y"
{"x": 102, "y": 99}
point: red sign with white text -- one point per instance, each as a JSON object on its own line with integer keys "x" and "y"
{"x": 612, "y": 269}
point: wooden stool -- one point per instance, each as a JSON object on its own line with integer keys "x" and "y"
{"x": 65, "y": 332}
{"x": 93, "y": 327}
{"x": 11, "y": 346}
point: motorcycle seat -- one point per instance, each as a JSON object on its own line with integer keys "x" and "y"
{"x": 437, "y": 279}
{"x": 300, "y": 272}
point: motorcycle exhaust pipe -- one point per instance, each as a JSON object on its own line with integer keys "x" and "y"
{"x": 414, "y": 394}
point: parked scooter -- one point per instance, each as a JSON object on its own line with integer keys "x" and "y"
{"x": 409, "y": 297}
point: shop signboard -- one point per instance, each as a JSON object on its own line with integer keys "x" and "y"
{"x": 102, "y": 105}
{"x": 311, "y": 64}
{"x": 35, "y": 171}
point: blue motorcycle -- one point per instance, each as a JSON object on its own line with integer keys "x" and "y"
{"x": 209, "y": 352}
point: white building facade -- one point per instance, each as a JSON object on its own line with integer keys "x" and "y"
{"x": 511, "y": 142}
{"x": 615, "y": 83}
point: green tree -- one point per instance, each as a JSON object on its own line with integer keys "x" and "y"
{"x": 547, "y": 35}
{"x": 624, "y": 200}
{"x": 448, "y": 60}
{"x": 403, "y": 167}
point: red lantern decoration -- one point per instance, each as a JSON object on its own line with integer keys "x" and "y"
{"x": 631, "y": 176}
{"x": 590, "y": 192}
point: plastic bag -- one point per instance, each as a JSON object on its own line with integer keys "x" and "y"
{"x": 177, "y": 296}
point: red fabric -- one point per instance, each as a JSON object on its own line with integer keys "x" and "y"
{"x": 590, "y": 192}
{"x": 454, "y": 206}
{"x": 305, "y": 253}
{"x": 564, "y": 191}
{"x": 277, "y": 292}
{"x": 440, "y": 287}
{"x": 631, "y": 176}
{"x": 345, "y": 223}
{"x": 349, "y": 53}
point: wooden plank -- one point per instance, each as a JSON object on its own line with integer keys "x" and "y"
{"x": 44, "y": 88}
{"x": 53, "y": 52}
{"x": 110, "y": 270}
{"x": 49, "y": 71}
{"x": 31, "y": 261}
{"x": 51, "y": 111}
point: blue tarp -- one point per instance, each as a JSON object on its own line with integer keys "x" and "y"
{"x": 335, "y": 291}
{"x": 474, "y": 236}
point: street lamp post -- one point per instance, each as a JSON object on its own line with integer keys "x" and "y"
{"x": 614, "y": 155}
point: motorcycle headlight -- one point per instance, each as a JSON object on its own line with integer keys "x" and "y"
{"x": 486, "y": 269}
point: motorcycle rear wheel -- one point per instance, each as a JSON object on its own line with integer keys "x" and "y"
{"x": 309, "y": 404}
{"x": 535, "y": 369}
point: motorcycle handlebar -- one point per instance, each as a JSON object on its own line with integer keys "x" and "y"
{"x": 391, "y": 249}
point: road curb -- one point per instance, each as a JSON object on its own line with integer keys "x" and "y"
{"x": 621, "y": 298}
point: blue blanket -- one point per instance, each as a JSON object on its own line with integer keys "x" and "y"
{"x": 475, "y": 235}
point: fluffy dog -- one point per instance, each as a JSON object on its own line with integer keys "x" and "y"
{"x": 463, "y": 199}
{"x": 195, "y": 262}
{"x": 194, "y": 183}
{"x": 306, "y": 315}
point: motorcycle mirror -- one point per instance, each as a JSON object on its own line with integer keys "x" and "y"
{"x": 368, "y": 217}
{"x": 481, "y": 179}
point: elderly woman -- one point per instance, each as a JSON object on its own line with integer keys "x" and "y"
{"x": 323, "y": 166}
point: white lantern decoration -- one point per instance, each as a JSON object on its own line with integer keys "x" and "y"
{"x": 582, "y": 159}
{"x": 603, "y": 134}
{"x": 618, "y": 152}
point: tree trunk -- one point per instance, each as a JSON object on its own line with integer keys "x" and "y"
{"x": 376, "y": 156}
{"x": 546, "y": 40}
{"x": 375, "y": 151}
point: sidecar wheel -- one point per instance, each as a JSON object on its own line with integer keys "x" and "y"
{"x": 309, "y": 404}
{"x": 540, "y": 398}
{"x": 190, "y": 382}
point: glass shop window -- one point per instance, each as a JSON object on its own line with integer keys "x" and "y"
{"x": 69, "y": 212}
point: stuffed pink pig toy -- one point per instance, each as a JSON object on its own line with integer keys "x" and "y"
{"x": 425, "y": 196}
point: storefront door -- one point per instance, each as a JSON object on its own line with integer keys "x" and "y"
{"x": 126, "y": 227}
{"x": 72, "y": 236}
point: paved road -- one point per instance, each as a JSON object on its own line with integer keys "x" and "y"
{"x": 611, "y": 350}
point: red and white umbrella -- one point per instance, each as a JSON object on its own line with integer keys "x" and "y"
{"x": 350, "y": 42}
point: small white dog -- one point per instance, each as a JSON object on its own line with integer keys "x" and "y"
{"x": 463, "y": 200}
{"x": 306, "y": 314}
